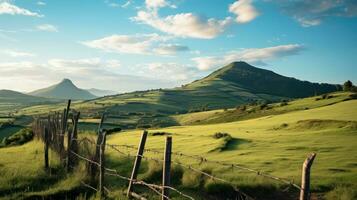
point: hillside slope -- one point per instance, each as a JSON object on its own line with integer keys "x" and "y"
{"x": 261, "y": 143}
{"x": 231, "y": 86}
{"x": 63, "y": 90}
{"x": 261, "y": 81}
{"x": 10, "y": 101}
{"x": 235, "y": 84}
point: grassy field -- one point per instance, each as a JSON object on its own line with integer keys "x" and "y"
{"x": 276, "y": 143}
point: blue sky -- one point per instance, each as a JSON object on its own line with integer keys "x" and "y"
{"x": 126, "y": 45}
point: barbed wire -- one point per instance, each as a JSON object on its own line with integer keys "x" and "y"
{"x": 137, "y": 182}
{"x": 201, "y": 160}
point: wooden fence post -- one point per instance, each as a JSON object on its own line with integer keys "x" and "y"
{"x": 72, "y": 143}
{"x": 61, "y": 136}
{"x": 305, "y": 179}
{"x": 137, "y": 162}
{"x": 102, "y": 164}
{"x": 166, "y": 168}
{"x": 46, "y": 147}
{"x": 93, "y": 168}
{"x": 69, "y": 148}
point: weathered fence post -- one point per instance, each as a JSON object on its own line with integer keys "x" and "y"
{"x": 166, "y": 168}
{"x": 69, "y": 148}
{"x": 137, "y": 162}
{"x": 72, "y": 145}
{"x": 305, "y": 179}
{"x": 46, "y": 147}
{"x": 63, "y": 131}
{"x": 102, "y": 164}
{"x": 93, "y": 168}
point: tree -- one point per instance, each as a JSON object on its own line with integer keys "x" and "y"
{"x": 347, "y": 86}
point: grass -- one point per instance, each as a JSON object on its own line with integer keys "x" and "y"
{"x": 276, "y": 144}
{"x": 279, "y": 152}
{"x": 253, "y": 111}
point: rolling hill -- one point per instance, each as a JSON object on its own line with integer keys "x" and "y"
{"x": 276, "y": 144}
{"x": 101, "y": 93}
{"x": 10, "y": 101}
{"x": 235, "y": 84}
{"x": 63, "y": 90}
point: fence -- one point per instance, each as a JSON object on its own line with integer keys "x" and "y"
{"x": 53, "y": 128}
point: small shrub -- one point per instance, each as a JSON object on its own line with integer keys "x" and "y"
{"x": 353, "y": 96}
{"x": 112, "y": 130}
{"x": 283, "y": 103}
{"x": 159, "y": 133}
{"x": 216, "y": 188}
{"x": 19, "y": 138}
{"x": 263, "y": 106}
{"x": 284, "y": 125}
{"x": 219, "y": 135}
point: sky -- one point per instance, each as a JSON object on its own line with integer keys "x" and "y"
{"x": 127, "y": 45}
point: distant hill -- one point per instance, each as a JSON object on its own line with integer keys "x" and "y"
{"x": 262, "y": 81}
{"x": 10, "y": 101}
{"x": 18, "y": 97}
{"x": 235, "y": 84}
{"x": 101, "y": 93}
{"x": 63, "y": 90}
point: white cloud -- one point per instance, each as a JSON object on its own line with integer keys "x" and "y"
{"x": 170, "y": 49}
{"x": 8, "y": 8}
{"x": 14, "y": 53}
{"x": 184, "y": 24}
{"x": 255, "y": 55}
{"x": 244, "y": 10}
{"x": 156, "y": 3}
{"x": 41, "y": 3}
{"x": 47, "y": 27}
{"x": 126, "y": 4}
{"x": 136, "y": 44}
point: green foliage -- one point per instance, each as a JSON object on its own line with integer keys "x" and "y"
{"x": 347, "y": 86}
{"x": 162, "y": 133}
{"x": 218, "y": 188}
{"x": 219, "y": 135}
{"x": 19, "y": 138}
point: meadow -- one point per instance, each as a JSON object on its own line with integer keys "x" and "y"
{"x": 275, "y": 141}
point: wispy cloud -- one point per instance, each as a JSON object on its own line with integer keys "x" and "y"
{"x": 47, "y": 27}
{"x": 170, "y": 49}
{"x": 244, "y": 10}
{"x": 35, "y": 75}
{"x": 312, "y": 13}
{"x": 15, "y": 54}
{"x": 136, "y": 44}
{"x": 41, "y": 3}
{"x": 256, "y": 56}
{"x": 171, "y": 71}
{"x": 11, "y": 9}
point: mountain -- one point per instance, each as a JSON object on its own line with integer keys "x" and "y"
{"x": 261, "y": 81}
{"x": 63, "y": 90}
{"x": 101, "y": 93}
{"x": 235, "y": 84}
